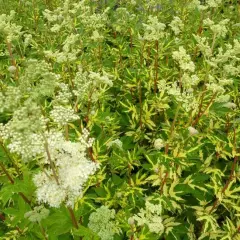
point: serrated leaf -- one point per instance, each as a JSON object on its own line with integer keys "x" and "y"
{"x": 58, "y": 222}
{"x": 86, "y": 233}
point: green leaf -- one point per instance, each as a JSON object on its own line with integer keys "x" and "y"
{"x": 101, "y": 192}
{"x": 117, "y": 180}
{"x": 6, "y": 193}
{"x": 58, "y": 222}
{"x": 18, "y": 212}
{"x": 86, "y": 233}
{"x": 219, "y": 109}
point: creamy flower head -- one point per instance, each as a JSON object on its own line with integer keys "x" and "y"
{"x": 72, "y": 168}
{"x": 8, "y": 29}
{"x": 183, "y": 59}
{"x": 176, "y": 25}
{"x": 153, "y": 30}
{"x": 219, "y": 29}
{"x": 62, "y": 115}
{"x": 158, "y": 144}
{"x": 213, "y": 3}
{"x": 103, "y": 223}
{"x": 151, "y": 216}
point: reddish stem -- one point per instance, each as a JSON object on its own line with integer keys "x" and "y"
{"x": 140, "y": 102}
{"x": 2, "y": 217}
{"x": 156, "y": 69}
{"x": 131, "y": 40}
{"x": 13, "y": 62}
{"x": 73, "y": 218}
{"x": 200, "y": 114}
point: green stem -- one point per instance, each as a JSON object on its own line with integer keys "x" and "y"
{"x": 167, "y": 145}
{"x": 43, "y": 231}
{"x": 10, "y": 158}
{"x": 213, "y": 42}
{"x": 140, "y": 102}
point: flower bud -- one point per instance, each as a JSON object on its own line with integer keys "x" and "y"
{"x": 158, "y": 144}
{"x": 12, "y": 69}
{"x": 119, "y": 194}
{"x": 192, "y": 131}
{"x": 131, "y": 221}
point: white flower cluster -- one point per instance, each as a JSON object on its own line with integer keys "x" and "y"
{"x": 10, "y": 99}
{"x": 95, "y": 21}
{"x": 223, "y": 98}
{"x": 219, "y": 29}
{"x": 85, "y": 82}
{"x": 176, "y": 25}
{"x": 63, "y": 95}
{"x": 228, "y": 59}
{"x": 10, "y": 30}
{"x": 213, "y": 3}
{"x": 189, "y": 81}
{"x": 215, "y": 88}
{"x": 48, "y": 191}
{"x": 96, "y": 36}
{"x": 65, "y": 17}
{"x": 231, "y": 69}
{"x": 73, "y": 169}
{"x": 81, "y": 84}
{"x": 62, "y": 17}
{"x": 69, "y": 51}
{"x": 158, "y": 143}
{"x": 153, "y": 30}
{"x": 150, "y": 5}
{"x": 209, "y": 4}
{"x": 103, "y": 223}
{"x": 27, "y": 146}
{"x": 99, "y": 82}
{"x": 183, "y": 59}
{"x": 71, "y": 40}
{"x": 225, "y": 82}
{"x": 37, "y": 214}
{"x": 27, "y": 40}
{"x": 85, "y": 140}
{"x": 38, "y": 80}
{"x": 151, "y": 216}
{"x": 98, "y": 79}
{"x": 203, "y": 45}
{"x": 23, "y": 132}
{"x": 197, "y": 4}
{"x": 62, "y": 115}
{"x": 185, "y": 97}
{"x": 123, "y": 18}
{"x": 218, "y": 85}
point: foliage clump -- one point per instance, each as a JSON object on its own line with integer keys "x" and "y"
{"x": 119, "y": 119}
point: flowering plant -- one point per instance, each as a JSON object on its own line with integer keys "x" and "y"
{"x": 120, "y": 119}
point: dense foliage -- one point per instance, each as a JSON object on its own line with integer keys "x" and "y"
{"x": 119, "y": 119}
